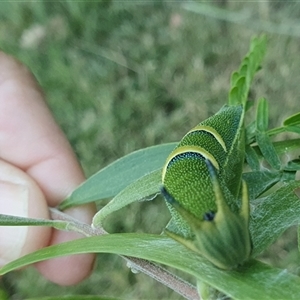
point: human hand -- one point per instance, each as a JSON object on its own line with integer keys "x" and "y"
{"x": 37, "y": 169}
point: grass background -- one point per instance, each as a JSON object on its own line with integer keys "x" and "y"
{"x": 122, "y": 75}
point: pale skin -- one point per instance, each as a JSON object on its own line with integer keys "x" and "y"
{"x": 38, "y": 169}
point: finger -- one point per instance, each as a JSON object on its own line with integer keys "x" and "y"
{"x": 31, "y": 141}
{"x": 21, "y": 196}
{"x": 29, "y": 137}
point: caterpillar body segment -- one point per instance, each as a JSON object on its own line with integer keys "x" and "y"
{"x": 202, "y": 184}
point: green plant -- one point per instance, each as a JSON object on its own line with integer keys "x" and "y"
{"x": 137, "y": 176}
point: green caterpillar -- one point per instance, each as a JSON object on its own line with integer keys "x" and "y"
{"x": 202, "y": 184}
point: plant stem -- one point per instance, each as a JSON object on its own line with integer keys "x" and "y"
{"x": 156, "y": 272}
{"x": 163, "y": 276}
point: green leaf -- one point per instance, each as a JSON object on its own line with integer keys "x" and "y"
{"x": 292, "y": 120}
{"x": 273, "y": 214}
{"x": 268, "y": 150}
{"x": 262, "y": 138}
{"x": 250, "y": 132}
{"x": 234, "y": 78}
{"x": 286, "y": 146}
{"x": 233, "y": 97}
{"x": 239, "y": 90}
{"x": 67, "y": 225}
{"x": 8, "y": 220}
{"x": 244, "y": 67}
{"x": 281, "y": 147}
{"x": 293, "y": 165}
{"x": 260, "y": 181}
{"x": 243, "y": 89}
{"x": 291, "y": 124}
{"x": 292, "y": 128}
{"x": 140, "y": 189}
{"x": 252, "y": 158}
{"x": 262, "y": 117}
{"x": 277, "y": 130}
{"x": 115, "y": 177}
{"x": 251, "y": 281}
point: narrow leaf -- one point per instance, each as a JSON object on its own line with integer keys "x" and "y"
{"x": 293, "y": 128}
{"x": 268, "y": 150}
{"x": 262, "y": 138}
{"x": 273, "y": 214}
{"x": 252, "y": 158}
{"x": 239, "y": 90}
{"x": 115, "y": 177}
{"x": 238, "y": 93}
{"x": 234, "y": 78}
{"x": 252, "y": 280}
{"x": 286, "y": 146}
{"x": 292, "y": 120}
{"x": 291, "y": 124}
{"x": 8, "y": 220}
{"x": 260, "y": 181}
{"x": 233, "y": 97}
{"x": 138, "y": 190}
{"x": 242, "y": 90}
{"x": 293, "y": 165}
{"x": 262, "y": 117}
{"x": 244, "y": 67}
{"x": 281, "y": 147}
{"x": 75, "y": 226}
{"x": 250, "y": 132}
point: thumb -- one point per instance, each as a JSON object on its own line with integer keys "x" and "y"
{"x": 21, "y": 196}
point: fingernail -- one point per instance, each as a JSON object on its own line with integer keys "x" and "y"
{"x": 13, "y": 201}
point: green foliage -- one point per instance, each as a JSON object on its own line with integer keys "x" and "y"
{"x": 129, "y": 76}
{"x": 132, "y": 167}
{"x": 270, "y": 282}
{"x": 268, "y": 218}
{"x": 242, "y": 79}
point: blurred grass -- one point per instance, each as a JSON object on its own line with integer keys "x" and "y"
{"x": 122, "y": 75}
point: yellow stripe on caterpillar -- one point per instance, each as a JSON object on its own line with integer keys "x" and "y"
{"x": 190, "y": 149}
{"x": 210, "y": 130}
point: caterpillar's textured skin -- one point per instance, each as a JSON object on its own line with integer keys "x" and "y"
{"x": 202, "y": 184}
